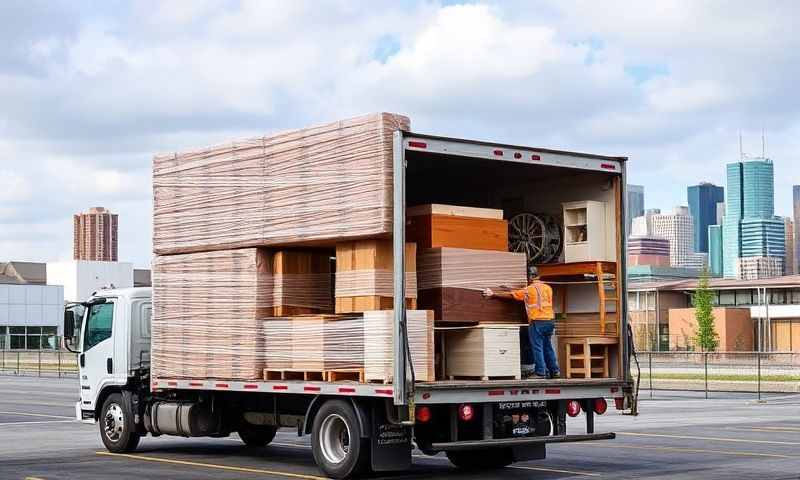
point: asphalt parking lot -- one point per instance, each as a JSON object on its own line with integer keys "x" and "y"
{"x": 674, "y": 437}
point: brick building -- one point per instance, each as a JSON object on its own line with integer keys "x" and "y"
{"x": 95, "y": 235}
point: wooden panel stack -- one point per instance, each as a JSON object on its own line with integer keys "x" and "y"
{"x": 207, "y": 311}
{"x": 302, "y": 283}
{"x": 364, "y": 276}
{"x": 485, "y": 352}
{"x": 321, "y": 184}
{"x": 379, "y": 345}
{"x": 451, "y": 282}
{"x": 431, "y": 226}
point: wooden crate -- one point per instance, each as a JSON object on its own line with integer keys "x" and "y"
{"x": 485, "y": 352}
{"x": 303, "y": 281}
{"x": 430, "y": 230}
{"x": 379, "y": 345}
{"x": 364, "y": 276}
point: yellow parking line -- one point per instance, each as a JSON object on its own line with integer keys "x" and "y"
{"x": 692, "y": 450}
{"x": 212, "y": 465}
{"x": 36, "y": 415}
{"x": 554, "y": 470}
{"x": 714, "y": 439}
{"x": 33, "y": 478}
{"x": 777, "y": 429}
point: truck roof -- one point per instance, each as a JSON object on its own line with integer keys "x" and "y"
{"x": 131, "y": 292}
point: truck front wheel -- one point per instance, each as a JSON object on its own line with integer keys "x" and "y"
{"x": 481, "y": 459}
{"x": 338, "y": 448}
{"x": 117, "y": 429}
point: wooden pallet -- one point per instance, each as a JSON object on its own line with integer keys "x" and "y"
{"x": 491, "y": 377}
{"x": 354, "y": 375}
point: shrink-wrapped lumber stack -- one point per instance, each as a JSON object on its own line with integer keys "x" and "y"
{"x": 322, "y": 184}
{"x": 452, "y": 280}
{"x": 365, "y": 276}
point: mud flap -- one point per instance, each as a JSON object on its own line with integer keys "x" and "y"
{"x": 390, "y": 444}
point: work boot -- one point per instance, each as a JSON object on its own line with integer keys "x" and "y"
{"x": 555, "y": 375}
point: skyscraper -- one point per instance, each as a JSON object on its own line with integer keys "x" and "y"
{"x": 788, "y": 259}
{"x": 703, "y": 199}
{"x": 750, "y": 227}
{"x": 796, "y": 243}
{"x": 678, "y": 228}
{"x": 634, "y": 205}
{"x": 715, "y": 250}
{"x": 95, "y": 235}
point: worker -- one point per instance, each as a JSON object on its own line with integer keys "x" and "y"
{"x": 538, "y": 300}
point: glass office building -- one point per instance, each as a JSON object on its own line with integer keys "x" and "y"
{"x": 750, "y": 227}
{"x": 703, "y": 199}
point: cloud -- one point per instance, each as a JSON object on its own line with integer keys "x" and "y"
{"x": 88, "y": 93}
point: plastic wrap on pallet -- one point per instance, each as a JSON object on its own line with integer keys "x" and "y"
{"x": 335, "y": 344}
{"x": 372, "y": 282}
{"x": 470, "y": 269}
{"x": 324, "y": 183}
{"x": 208, "y": 310}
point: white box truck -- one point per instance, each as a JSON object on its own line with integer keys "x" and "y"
{"x": 358, "y": 427}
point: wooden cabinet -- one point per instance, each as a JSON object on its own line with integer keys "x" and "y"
{"x": 587, "y": 232}
{"x": 484, "y": 352}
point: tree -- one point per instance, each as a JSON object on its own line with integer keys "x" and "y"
{"x": 706, "y": 337}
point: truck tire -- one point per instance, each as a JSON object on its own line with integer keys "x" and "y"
{"x": 117, "y": 429}
{"x": 481, "y": 459}
{"x": 336, "y": 442}
{"x": 256, "y": 435}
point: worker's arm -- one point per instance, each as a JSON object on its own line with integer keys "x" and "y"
{"x": 489, "y": 293}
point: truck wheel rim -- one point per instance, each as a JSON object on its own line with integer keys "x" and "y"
{"x": 334, "y": 438}
{"x": 113, "y": 422}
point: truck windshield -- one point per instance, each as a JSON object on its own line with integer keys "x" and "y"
{"x": 98, "y": 324}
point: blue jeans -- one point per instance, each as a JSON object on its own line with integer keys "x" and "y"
{"x": 544, "y": 357}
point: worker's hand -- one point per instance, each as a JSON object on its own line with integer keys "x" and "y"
{"x": 488, "y": 293}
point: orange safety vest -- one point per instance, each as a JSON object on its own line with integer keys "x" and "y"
{"x": 538, "y": 299}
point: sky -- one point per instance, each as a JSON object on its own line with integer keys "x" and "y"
{"x": 91, "y": 91}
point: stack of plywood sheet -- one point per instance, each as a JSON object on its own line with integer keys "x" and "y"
{"x": 452, "y": 280}
{"x": 364, "y": 276}
{"x": 208, "y": 307}
{"x": 379, "y": 344}
{"x": 434, "y": 225}
{"x": 302, "y": 282}
{"x": 316, "y": 185}
{"x": 207, "y": 311}
{"x": 485, "y": 352}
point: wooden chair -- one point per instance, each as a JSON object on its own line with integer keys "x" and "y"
{"x": 591, "y": 359}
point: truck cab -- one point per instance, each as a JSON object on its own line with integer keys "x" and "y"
{"x": 112, "y": 341}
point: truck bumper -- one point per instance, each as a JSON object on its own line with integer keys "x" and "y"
{"x": 518, "y": 442}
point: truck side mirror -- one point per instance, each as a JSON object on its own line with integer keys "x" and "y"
{"x": 70, "y": 338}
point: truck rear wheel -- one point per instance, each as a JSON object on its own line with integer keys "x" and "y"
{"x": 338, "y": 448}
{"x": 256, "y": 435}
{"x": 117, "y": 429}
{"x": 481, "y": 459}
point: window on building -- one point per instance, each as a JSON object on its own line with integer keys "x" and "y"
{"x": 16, "y": 337}
{"x": 727, "y": 297}
{"x": 794, "y": 294}
{"x": 50, "y": 338}
{"x": 98, "y": 324}
{"x": 744, "y": 297}
{"x": 778, "y": 297}
{"x": 3, "y": 337}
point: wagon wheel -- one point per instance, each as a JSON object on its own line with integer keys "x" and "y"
{"x": 527, "y": 234}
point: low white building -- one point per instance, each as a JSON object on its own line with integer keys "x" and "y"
{"x": 81, "y": 278}
{"x": 31, "y": 316}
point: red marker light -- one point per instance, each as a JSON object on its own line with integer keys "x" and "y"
{"x": 466, "y": 412}
{"x": 600, "y": 406}
{"x": 499, "y": 153}
{"x": 573, "y": 408}
{"x": 423, "y": 414}
{"x": 417, "y": 144}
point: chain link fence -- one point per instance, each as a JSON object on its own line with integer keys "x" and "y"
{"x": 50, "y": 363}
{"x": 708, "y": 372}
